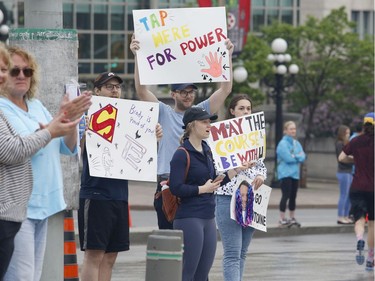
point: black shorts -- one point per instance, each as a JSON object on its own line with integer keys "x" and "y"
{"x": 103, "y": 225}
{"x": 362, "y": 203}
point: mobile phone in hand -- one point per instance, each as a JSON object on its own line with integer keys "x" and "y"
{"x": 220, "y": 177}
{"x": 72, "y": 90}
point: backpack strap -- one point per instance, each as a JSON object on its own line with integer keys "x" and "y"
{"x": 187, "y": 160}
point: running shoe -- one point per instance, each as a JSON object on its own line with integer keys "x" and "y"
{"x": 294, "y": 222}
{"x": 284, "y": 222}
{"x": 369, "y": 265}
{"x": 360, "y": 258}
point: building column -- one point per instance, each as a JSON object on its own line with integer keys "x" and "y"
{"x": 56, "y": 52}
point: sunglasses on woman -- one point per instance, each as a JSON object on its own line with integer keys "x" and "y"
{"x": 28, "y": 72}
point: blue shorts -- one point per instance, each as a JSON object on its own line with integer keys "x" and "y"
{"x": 103, "y": 225}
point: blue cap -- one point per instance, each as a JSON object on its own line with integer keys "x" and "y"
{"x": 179, "y": 87}
{"x": 369, "y": 118}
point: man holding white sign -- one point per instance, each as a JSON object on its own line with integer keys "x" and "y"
{"x": 183, "y": 96}
{"x": 103, "y": 215}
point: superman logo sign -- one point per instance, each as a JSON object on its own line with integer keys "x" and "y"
{"x": 103, "y": 122}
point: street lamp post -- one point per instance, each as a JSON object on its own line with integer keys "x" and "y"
{"x": 240, "y": 74}
{"x": 280, "y": 60}
{"x": 279, "y": 108}
{"x": 4, "y": 28}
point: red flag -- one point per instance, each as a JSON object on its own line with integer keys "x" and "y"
{"x": 244, "y": 20}
{"x": 204, "y": 3}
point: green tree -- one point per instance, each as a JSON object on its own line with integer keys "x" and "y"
{"x": 336, "y": 71}
{"x": 335, "y": 84}
{"x": 253, "y": 58}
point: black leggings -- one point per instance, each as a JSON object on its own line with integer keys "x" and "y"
{"x": 199, "y": 247}
{"x": 289, "y": 187}
{"x": 8, "y": 230}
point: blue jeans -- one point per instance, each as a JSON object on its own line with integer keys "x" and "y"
{"x": 29, "y": 246}
{"x": 345, "y": 180}
{"x": 235, "y": 239}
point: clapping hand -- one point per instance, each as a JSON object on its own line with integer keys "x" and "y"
{"x": 74, "y": 109}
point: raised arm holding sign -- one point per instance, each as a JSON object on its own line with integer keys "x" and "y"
{"x": 171, "y": 40}
{"x": 155, "y": 26}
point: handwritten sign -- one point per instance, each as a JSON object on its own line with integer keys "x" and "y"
{"x": 182, "y": 45}
{"x": 260, "y": 204}
{"x": 236, "y": 140}
{"x": 120, "y": 139}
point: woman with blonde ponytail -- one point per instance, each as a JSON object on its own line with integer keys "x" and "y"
{"x": 195, "y": 214}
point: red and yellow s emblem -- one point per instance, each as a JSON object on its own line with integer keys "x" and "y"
{"x": 103, "y": 122}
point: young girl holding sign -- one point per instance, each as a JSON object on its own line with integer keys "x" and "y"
{"x": 235, "y": 237}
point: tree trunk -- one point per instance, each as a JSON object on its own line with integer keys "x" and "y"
{"x": 303, "y": 175}
{"x": 305, "y": 142}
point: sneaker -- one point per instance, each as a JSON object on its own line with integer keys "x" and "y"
{"x": 343, "y": 221}
{"x": 360, "y": 258}
{"x": 369, "y": 265}
{"x": 294, "y": 221}
{"x": 284, "y": 222}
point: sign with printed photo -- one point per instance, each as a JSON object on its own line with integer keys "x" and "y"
{"x": 120, "y": 139}
{"x": 185, "y": 45}
{"x": 256, "y": 211}
{"x": 238, "y": 140}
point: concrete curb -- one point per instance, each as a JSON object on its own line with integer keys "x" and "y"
{"x": 139, "y": 235}
{"x": 304, "y": 230}
{"x": 270, "y": 206}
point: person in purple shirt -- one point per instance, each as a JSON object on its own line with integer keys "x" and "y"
{"x": 360, "y": 150}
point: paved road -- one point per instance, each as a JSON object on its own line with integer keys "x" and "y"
{"x": 279, "y": 254}
{"x": 329, "y": 257}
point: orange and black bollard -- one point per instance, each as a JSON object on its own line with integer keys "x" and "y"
{"x": 70, "y": 248}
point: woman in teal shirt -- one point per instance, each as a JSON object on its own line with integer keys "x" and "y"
{"x": 290, "y": 155}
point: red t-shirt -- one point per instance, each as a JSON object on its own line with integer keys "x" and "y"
{"x": 362, "y": 149}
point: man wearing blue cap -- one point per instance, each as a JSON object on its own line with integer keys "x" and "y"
{"x": 361, "y": 151}
{"x": 171, "y": 120}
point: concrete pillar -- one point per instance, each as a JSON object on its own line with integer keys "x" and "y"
{"x": 56, "y": 51}
{"x": 43, "y": 14}
{"x": 164, "y": 255}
